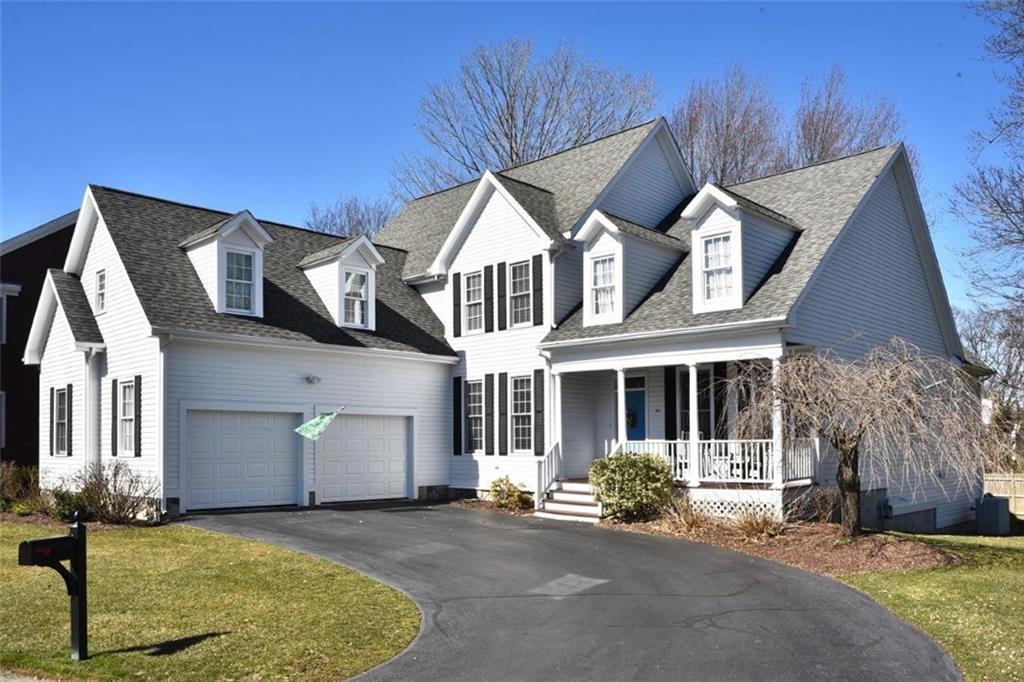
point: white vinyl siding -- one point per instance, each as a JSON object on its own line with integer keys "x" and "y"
{"x": 603, "y": 285}
{"x": 238, "y": 281}
{"x": 475, "y": 416}
{"x": 522, "y": 414}
{"x": 644, "y": 264}
{"x": 355, "y": 298}
{"x": 520, "y": 294}
{"x": 61, "y": 364}
{"x": 763, "y": 243}
{"x": 473, "y": 302}
{"x": 568, "y": 282}
{"x": 648, "y": 189}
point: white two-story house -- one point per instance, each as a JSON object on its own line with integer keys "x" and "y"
{"x": 519, "y": 325}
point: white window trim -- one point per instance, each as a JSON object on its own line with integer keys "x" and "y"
{"x": 466, "y": 331}
{"x": 224, "y": 280}
{"x": 121, "y": 385}
{"x": 529, "y": 295}
{"x": 369, "y": 314}
{"x": 735, "y": 299}
{"x": 100, "y": 308}
{"x": 512, "y": 415}
{"x": 67, "y": 410}
{"x": 468, "y": 445}
{"x": 615, "y": 315}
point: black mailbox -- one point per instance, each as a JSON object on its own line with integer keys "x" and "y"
{"x": 50, "y": 552}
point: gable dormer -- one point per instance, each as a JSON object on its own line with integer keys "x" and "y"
{"x": 622, "y": 261}
{"x": 228, "y": 257}
{"x": 733, "y": 244}
{"x": 344, "y": 275}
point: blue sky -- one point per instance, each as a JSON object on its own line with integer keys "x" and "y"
{"x": 268, "y": 106}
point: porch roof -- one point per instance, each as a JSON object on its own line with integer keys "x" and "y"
{"x": 818, "y": 199}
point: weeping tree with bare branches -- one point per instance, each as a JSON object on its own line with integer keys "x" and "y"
{"x": 895, "y": 415}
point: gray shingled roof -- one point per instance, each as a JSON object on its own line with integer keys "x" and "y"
{"x": 573, "y": 177}
{"x": 76, "y": 307}
{"x": 818, "y": 199}
{"x": 147, "y": 232}
{"x": 206, "y": 232}
{"x": 538, "y": 202}
{"x": 326, "y": 253}
{"x": 646, "y": 233}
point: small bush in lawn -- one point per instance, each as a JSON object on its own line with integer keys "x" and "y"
{"x": 631, "y": 487}
{"x": 508, "y": 495}
{"x": 18, "y": 483}
{"x": 685, "y": 515}
{"x": 111, "y": 493}
{"x": 757, "y": 523}
{"x": 66, "y": 502}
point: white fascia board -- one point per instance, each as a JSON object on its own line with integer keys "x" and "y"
{"x": 9, "y": 289}
{"x": 595, "y": 223}
{"x": 708, "y": 195}
{"x": 487, "y": 185}
{"x": 238, "y": 339}
{"x": 752, "y": 325}
{"x": 247, "y": 222}
{"x": 88, "y": 216}
{"x": 36, "y": 233}
{"x": 363, "y": 245}
{"x": 41, "y": 321}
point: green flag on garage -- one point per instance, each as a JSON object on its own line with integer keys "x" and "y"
{"x": 316, "y": 426}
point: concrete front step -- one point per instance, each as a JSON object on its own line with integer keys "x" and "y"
{"x": 575, "y": 508}
{"x": 567, "y": 496}
{"x": 574, "y": 487}
{"x": 559, "y": 516}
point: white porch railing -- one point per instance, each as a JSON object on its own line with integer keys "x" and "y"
{"x": 732, "y": 461}
{"x": 549, "y": 469}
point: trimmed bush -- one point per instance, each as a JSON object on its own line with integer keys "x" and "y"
{"x": 67, "y": 502}
{"x": 507, "y": 495}
{"x": 631, "y": 487}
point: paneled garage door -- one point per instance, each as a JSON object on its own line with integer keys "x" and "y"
{"x": 363, "y": 458}
{"x": 242, "y": 459}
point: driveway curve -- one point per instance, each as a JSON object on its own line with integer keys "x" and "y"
{"x": 523, "y": 598}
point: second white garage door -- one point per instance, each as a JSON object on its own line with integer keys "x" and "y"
{"x": 363, "y": 457}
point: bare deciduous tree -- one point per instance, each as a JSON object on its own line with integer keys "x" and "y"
{"x": 728, "y": 128}
{"x": 895, "y": 416}
{"x": 505, "y": 107}
{"x": 991, "y": 198}
{"x": 350, "y": 216}
{"x": 996, "y": 337}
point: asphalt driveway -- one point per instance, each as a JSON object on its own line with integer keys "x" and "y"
{"x": 529, "y": 599}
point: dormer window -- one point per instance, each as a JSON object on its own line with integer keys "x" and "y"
{"x": 603, "y": 285}
{"x": 238, "y": 282}
{"x": 355, "y": 298}
{"x": 717, "y": 275}
{"x": 474, "y": 303}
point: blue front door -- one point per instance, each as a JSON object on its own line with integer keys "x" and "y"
{"x": 636, "y": 414}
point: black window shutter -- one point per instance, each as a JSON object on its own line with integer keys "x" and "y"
{"x": 503, "y": 413}
{"x": 684, "y": 392}
{"x": 138, "y": 415}
{"x": 718, "y": 386}
{"x": 671, "y": 413}
{"x": 538, "y": 411}
{"x": 71, "y": 413}
{"x": 53, "y": 418}
{"x": 502, "y": 297}
{"x": 456, "y": 415}
{"x": 488, "y": 298}
{"x": 113, "y": 417}
{"x": 538, "y": 291}
{"x": 467, "y": 433}
{"x": 489, "y": 414}
{"x": 457, "y": 304}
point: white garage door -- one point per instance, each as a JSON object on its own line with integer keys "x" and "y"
{"x": 363, "y": 458}
{"x": 242, "y": 459}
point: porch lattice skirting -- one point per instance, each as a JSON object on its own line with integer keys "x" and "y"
{"x": 713, "y": 504}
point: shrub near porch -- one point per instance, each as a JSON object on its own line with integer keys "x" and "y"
{"x": 181, "y": 603}
{"x": 631, "y": 487}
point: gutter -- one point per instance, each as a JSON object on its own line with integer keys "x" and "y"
{"x": 302, "y": 345}
{"x": 753, "y": 325}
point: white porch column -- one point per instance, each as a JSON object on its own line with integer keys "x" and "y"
{"x": 777, "y": 426}
{"x": 694, "y": 429}
{"x": 620, "y": 401}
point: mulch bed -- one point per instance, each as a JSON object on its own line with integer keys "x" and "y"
{"x": 45, "y": 521}
{"x": 487, "y": 505}
{"x": 816, "y": 547}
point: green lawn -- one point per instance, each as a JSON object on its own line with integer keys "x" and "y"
{"x": 180, "y": 602}
{"x": 975, "y": 609}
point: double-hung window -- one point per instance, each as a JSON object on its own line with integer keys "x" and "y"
{"x": 474, "y": 302}
{"x": 475, "y": 415}
{"x": 603, "y": 285}
{"x": 127, "y": 417}
{"x": 717, "y": 268}
{"x": 355, "y": 298}
{"x": 238, "y": 282}
{"x": 60, "y": 421}
{"x": 101, "y": 291}
{"x": 520, "y": 294}
{"x": 522, "y": 414}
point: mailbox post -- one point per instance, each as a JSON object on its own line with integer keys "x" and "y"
{"x": 50, "y": 552}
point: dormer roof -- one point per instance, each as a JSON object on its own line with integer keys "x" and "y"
{"x": 603, "y": 220}
{"x": 243, "y": 220}
{"x": 342, "y": 249}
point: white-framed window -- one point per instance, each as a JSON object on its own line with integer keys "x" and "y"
{"x": 356, "y": 298}
{"x": 717, "y": 267}
{"x": 126, "y": 417}
{"x": 521, "y": 294}
{"x": 522, "y": 414}
{"x": 603, "y": 285}
{"x": 60, "y": 421}
{"x": 238, "y": 281}
{"x": 100, "y": 301}
{"x": 475, "y": 415}
{"x": 474, "y": 302}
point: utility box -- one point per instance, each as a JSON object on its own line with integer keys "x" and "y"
{"x": 993, "y": 514}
